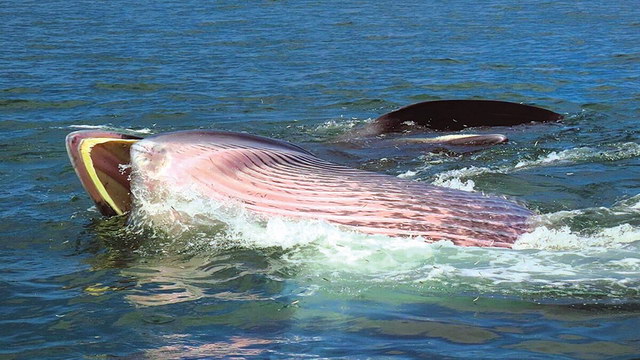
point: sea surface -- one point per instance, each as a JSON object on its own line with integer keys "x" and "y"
{"x": 76, "y": 285}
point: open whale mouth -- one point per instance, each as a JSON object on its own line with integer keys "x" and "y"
{"x": 101, "y": 161}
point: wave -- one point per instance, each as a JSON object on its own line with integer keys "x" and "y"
{"x": 552, "y": 261}
{"x": 143, "y": 131}
{"x": 458, "y": 178}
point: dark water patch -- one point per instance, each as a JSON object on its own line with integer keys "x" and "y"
{"x": 498, "y": 66}
{"x": 192, "y": 98}
{"x": 36, "y": 58}
{"x": 513, "y": 97}
{"x": 137, "y": 87}
{"x": 106, "y": 58}
{"x": 465, "y": 85}
{"x": 267, "y": 99}
{"x": 379, "y": 37}
{"x": 27, "y": 105}
{"x": 223, "y": 23}
{"x": 424, "y": 97}
{"x": 601, "y": 107}
{"x": 123, "y": 104}
{"x": 43, "y": 46}
{"x": 399, "y": 85}
{"x": 425, "y": 329}
{"x": 533, "y": 87}
{"x": 604, "y": 88}
{"x": 165, "y": 115}
{"x": 21, "y": 90}
{"x": 578, "y": 349}
{"x": 447, "y": 61}
{"x": 626, "y": 58}
{"x": 363, "y": 104}
{"x": 339, "y": 92}
{"x": 15, "y": 126}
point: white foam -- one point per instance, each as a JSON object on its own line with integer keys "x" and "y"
{"x": 453, "y": 178}
{"x": 456, "y": 183}
{"x": 564, "y": 239}
{"x": 408, "y": 174}
{"x": 614, "y": 152}
{"x": 633, "y": 203}
{"x": 339, "y": 126}
{"x": 564, "y": 156}
{"x": 144, "y": 131}
{"x": 611, "y": 152}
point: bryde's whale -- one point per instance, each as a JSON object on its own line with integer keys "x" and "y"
{"x": 270, "y": 177}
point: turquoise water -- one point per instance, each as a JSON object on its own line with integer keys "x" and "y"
{"x": 76, "y": 285}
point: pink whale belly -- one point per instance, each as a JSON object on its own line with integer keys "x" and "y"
{"x": 271, "y": 178}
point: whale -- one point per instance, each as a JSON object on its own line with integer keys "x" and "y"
{"x": 455, "y": 115}
{"x": 273, "y": 178}
{"x": 439, "y": 126}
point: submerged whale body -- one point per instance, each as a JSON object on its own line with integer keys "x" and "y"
{"x": 274, "y": 178}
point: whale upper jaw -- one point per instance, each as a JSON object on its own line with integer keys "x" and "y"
{"x": 101, "y": 161}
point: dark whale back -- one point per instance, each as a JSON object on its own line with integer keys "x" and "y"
{"x": 454, "y": 115}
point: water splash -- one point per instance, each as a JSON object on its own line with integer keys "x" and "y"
{"x": 614, "y": 152}
{"x": 564, "y": 239}
{"x": 340, "y": 126}
{"x": 143, "y": 131}
{"x": 552, "y": 261}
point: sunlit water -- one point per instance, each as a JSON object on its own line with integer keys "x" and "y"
{"x": 73, "y": 284}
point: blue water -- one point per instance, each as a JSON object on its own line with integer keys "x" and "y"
{"x": 76, "y": 285}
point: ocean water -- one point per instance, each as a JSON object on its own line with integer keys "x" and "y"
{"x": 76, "y": 285}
